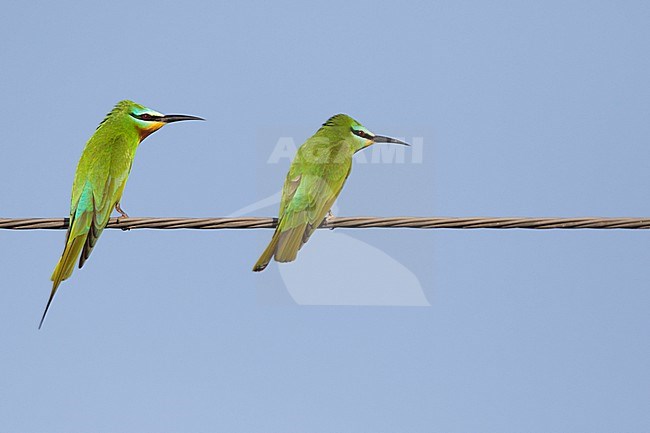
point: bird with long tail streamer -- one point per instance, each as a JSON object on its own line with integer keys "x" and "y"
{"x": 99, "y": 181}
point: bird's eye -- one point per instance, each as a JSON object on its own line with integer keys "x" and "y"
{"x": 362, "y": 134}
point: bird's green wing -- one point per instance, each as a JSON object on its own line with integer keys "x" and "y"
{"x": 104, "y": 200}
{"x": 288, "y": 191}
{"x": 305, "y": 202}
{"x": 87, "y": 221}
{"x": 304, "y": 211}
{"x": 315, "y": 179}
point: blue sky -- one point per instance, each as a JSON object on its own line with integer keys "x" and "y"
{"x": 522, "y": 108}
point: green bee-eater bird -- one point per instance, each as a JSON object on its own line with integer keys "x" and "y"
{"x": 100, "y": 178}
{"x": 315, "y": 179}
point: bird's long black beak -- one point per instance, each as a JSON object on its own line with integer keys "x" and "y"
{"x": 169, "y": 118}
{"x": 382, "y": 139}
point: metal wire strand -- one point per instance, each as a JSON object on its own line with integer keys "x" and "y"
{"x": 340, "y": 222}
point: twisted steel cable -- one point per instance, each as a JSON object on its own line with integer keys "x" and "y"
{"x": 341, "y": 222}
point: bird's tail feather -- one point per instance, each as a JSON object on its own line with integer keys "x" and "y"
{"x": 284, "y": 246}
{"x": 64, "y": 268}
{"x": 266, "y": 256}
{"x": 289, "y": 243}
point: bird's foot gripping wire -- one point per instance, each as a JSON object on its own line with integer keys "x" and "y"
{"x": 328, "y": 219}
{"x": 122, "y": 215}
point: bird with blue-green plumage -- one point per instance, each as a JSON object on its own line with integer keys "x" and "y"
{"x": 315, "y": 179}
{"x": 100, "y": 178}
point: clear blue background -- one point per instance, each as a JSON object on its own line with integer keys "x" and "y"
{"x": 535, "y": 108}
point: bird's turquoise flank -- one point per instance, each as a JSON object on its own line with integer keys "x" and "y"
{"x": 99, "y": 181}
{"x": 315, "y": 179}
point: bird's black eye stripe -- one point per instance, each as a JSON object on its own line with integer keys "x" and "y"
{"x": 144, "y": 116}
{"x": 362, "y": 134}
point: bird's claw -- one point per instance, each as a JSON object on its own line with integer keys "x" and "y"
{"x": 328, "y": 219}
{"x": 122, "y": 216}
{"x": 120, "y": 211}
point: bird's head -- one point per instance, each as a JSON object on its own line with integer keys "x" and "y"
{"x": 348, "y": 128}
{"x": 145, "y": 119}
